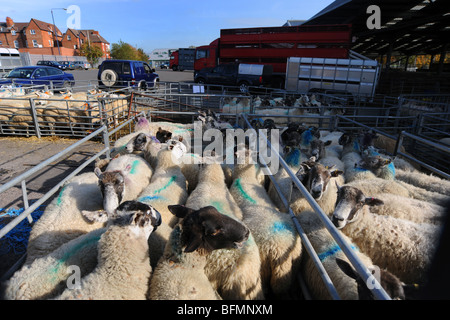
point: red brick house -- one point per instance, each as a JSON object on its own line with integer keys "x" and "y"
{"x": 39, "y": 37}
{"x": 74, "y": 39}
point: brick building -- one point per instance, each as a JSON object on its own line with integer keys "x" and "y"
{"x": 39, "y": 37}
{"x": 74, "y": 39}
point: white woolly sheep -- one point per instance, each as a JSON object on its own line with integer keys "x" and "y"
{"x": 328, "y": 251}
{"x": 124, "y": 179}
{"x": 62, "y": 220}
{"x": 123, "y": 270}
{"x": 424, "y": 181}
{"x": 411, "y": 209}
{"x": 278, "y": 242}
{"x": 378, "y": 185}
{"x": 46, "y": 276}
{"x": 167, "y": 186}
{"x": 231, "y": 272}
{"x": 403, "y": 247}
{"x": 180, "y": 273}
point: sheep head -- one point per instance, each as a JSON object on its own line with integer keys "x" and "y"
{"x": 349, "y": 204}
{"x": 206, "y": 229}
{"x": 142, "y": 218}
{"x": 112, "y": 186}
{"x": 317, "y": 177}
{"x": 163, "y": 135}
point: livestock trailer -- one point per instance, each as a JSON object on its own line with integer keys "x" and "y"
{"x": 273, "y": 45}
{"x": 357, "y": 75}
{"x": 182, "y": 59}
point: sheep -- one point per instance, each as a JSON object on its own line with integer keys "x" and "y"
{"x": 46, "y": 276}
{"x": 411, "y": 209}
{"x": 328, "y": 252}
{"x": 124, "y": 179}
{"x": 123, "y": 270}
{"x": 231, "y": 272}
{"x": 380, "y": 166}
{"x": 403, "y": 247}
{"x": 62, "y": 220}
{"x": 278, "y": 242}
{"x": 180, "y": 273}
{"x": 378, "y": 185}
{"x": 318, "y": 181}
{"x": 424, "y": 181}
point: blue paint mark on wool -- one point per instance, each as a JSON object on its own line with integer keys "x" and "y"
{"x": 134, "y": 166}
{"x": 293, "y": 157}
{"x": 358, "y": 169}
{"x": 281, "y": 227}
{"x": 332, "y": 251}
{"x": 150, "y": 198}
{"x": 356, "y": 146}
{"x": 307, "y": 137}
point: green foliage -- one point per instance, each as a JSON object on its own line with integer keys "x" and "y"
{"x": 125, "y": 51}
{"x": 92, "y": 53}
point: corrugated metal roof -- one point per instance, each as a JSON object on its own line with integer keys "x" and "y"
{"x": 411, "y": 27}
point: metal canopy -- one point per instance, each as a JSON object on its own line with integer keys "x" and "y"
{"x": 408, "y": 27}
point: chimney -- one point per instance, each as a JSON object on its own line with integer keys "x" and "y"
{"x": 9, "y": 22}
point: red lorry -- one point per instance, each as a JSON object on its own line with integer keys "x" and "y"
{"x": 274, "y": 45}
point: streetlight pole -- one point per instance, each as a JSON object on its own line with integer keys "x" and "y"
{"x": 54, "y": 26}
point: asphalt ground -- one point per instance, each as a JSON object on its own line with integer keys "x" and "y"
{"x": 19, "y": 154}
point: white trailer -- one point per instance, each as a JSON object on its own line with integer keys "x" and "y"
{"x": 358, "y": 75}
{"x": 9, "y": 59}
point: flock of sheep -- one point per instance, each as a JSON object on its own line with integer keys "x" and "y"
{"x": 57, "y": 113}
{"x": 159, "y": 222}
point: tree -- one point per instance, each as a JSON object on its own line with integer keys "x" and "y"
{"x": 125, "y": 51}
{"x": 92, "y": 53}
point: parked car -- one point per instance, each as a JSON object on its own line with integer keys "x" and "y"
{"x": 125, "y": 73}
{"x": 51, "y": 64}
{"x": 69, "y": 64}
{"x": 39, "y": 75}
{"x": 236, "y": 74}
{"x": 82, "y": 65}
{"x": 164, "y": 66}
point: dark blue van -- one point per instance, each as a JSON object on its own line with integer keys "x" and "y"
{"x": 126, "y": 73}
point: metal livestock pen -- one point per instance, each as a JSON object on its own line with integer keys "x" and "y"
{"x": 140, "y": 103}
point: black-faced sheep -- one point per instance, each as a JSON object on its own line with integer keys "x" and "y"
{"x": 180, "y": 274}
{"x": 231, "y": 272}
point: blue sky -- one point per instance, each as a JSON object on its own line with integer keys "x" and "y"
{"x": 164, "y": 24}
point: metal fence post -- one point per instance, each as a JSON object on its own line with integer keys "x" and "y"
{"x": 106, "y": 142}
{"x": 37, "y": 130}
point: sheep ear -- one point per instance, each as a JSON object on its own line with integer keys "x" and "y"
{"x": 346, "y": 268}
{"x": 327, "y": 143}
{"x": 373, "y": 202}
{"x": 95, "y": 216}
{"x": 336, "y": 173}
{"x": 180, "y": 211}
